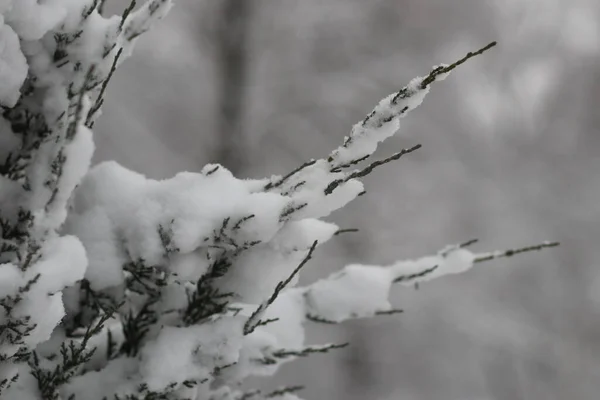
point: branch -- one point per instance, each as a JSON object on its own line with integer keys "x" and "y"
{"x": 341, "y": 231}
{"x": 512, "y": 252}
{"x": 254, "y": 319}
{"x": 278, "y": 183}
{"x": 100, "y": 99}
{"x": 366, "y": 171}
{"x": 448, "y": 68}
{"x": 283, "y": 391}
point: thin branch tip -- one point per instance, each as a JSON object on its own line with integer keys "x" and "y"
{"x": 444, "y": 69}
{"x": 512, "y": 252}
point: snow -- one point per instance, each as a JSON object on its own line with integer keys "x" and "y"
{"x": 13, "y": 66}
{"x": 357, "y": 291}
{"x": 25, "y": 388}
{"x": 290, "y": 311}
{"x": 360, "y": 291}
{"x": 66, "y": 259}
{"x": 181, "y": 353}
{"x": 78, "y": 156}
{"x": 10, "y": 279}
{"x": 272, "y": 267}
{"x": 312, "y": 182}
{"x": 102, "y": 247}
{"x": 91, "y": 223}
{"x": 455, "y": 261}
{"x": 45, "y": 312}
{"x": 171, "y": 357}
{"x": 382, "y": 123}
{"x": 141, "y": 20}
{"x": 32, "y": 19}
{"x": 300, "y": 235}
{"x": 190, "y": 266}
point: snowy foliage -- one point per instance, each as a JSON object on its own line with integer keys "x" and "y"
{"x": 113, "y": 285}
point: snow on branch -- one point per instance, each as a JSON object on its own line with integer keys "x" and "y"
{"x": 361, "y": 291}
{"x": 113, "y": 285}
{"x": 254, "y": 319}
{"x": 338, "y": 185}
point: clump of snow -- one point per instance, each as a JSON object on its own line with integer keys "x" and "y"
{"x": 357, "y": 291}
{"x": 103, "y": 247}
{"x": 290, "y": 312}
{"x": 454, "y": 261}
{"x": 301, "y": 234}
{"x": 45, "y": 310}
{"x": 32, "y": 19}
{"x": 360, "y": 291}
{"x": 13, "y": 66}
{"x": 185, "y": 353}
{"x": 171, "y": 357}
{"x": 169, "y": 273}
{"x": 65, "y": 257}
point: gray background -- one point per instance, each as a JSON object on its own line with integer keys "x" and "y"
{"x": 510, "y": 156}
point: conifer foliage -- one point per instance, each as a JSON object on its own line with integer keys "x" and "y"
{"x": 115, "y": 286}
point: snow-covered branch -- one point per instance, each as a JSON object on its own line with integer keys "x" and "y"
{"x": 113, "y": 285}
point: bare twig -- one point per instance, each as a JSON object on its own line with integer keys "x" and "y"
{"x": 308, "y": 350}
{"x": 416, "y": 275}
{"x": 100, "y": 99}
{"x": 319, "y": 320}
{"x": 372, "y": 166}
{"x": 278, "y": 183}
{"x": 349, "y": 230}
{"x": 126, "y": 13}
{"x": 101, "y": 7}
{"x": 447, "y": 68}
{"x": 512, "y": 252}
{"x": 283, "y": 391}
{"x": 366, "y": 171}
{"x": 254, "y": 319}
{"x": 468, "y": 243}
{"x": 390, "y": 312}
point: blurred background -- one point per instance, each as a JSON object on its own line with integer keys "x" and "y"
{"x": 511, "y": 155}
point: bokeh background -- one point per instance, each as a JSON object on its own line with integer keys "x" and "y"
{"x": 511, "y": 155}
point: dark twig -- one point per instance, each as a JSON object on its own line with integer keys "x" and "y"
{"x": 254, "y": 319}
{"x": 468, "y": 243}
{"x": 284, "y": 391}
{"x": 390, "y": 312}
{"x": 349, "y": 230}
{"x": 366, "y": 171}
{"x": 100, "y": 99}
{"x": 407, "y": 278}
{"x": 447, "y": 68}
{"x": 126, "y": 13}
{"x": 280, "y": 182}
{"x": 512, "y": 252}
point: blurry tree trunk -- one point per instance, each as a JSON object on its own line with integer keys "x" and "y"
{"x": 231, "y": 58}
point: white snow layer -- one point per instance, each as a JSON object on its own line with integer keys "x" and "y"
{"x": 13, "y": 66}
{"x": 181, "y": 227}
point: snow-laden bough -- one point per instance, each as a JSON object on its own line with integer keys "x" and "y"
{"x": 113, "y": 285}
